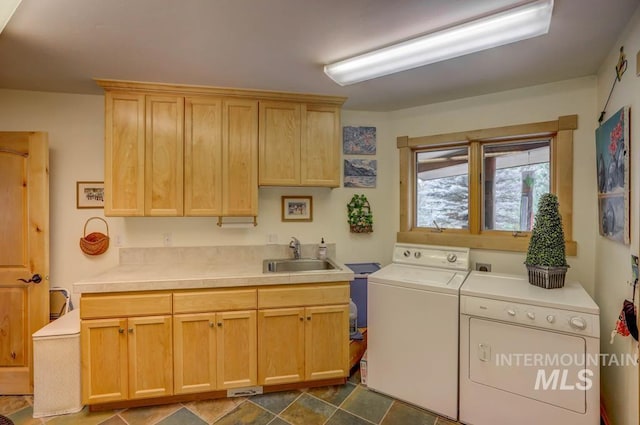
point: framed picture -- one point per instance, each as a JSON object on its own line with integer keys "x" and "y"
{"x": 360, "y": 172}
{"x": 359, "y": 140}
{"x": 297, "y": 208}
{"x": 89, "y": 195}
{"x": 612, "y": 162}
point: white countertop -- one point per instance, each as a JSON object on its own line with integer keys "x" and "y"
{"x": 154, "y": 277}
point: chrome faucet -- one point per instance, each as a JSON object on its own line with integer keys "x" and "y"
{"x": 295, "y": 245}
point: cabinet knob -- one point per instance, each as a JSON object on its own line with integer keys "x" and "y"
{"x": 308, "y": 317}
{"x": 301, "y": 318}
{"x": 130, "y": 330}
{"x": 13, "y": 355}
{"x": 211, "y": 324}
{"x": 121, "y": 330}
{"x": 219, "y": 324}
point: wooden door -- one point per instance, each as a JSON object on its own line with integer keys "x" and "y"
{"x": 150, "y": 357}
{"x": 240, "y": 158}
{"x": 320, "y": 146}
{"x": 203, "y": 156}
{"x": 124, "y": 154}
{"x": 164, "y": 156}
{"x": 280, "y": 346}
{"x": 237, "y": 349}
{"x": 194, "y": 352}
{"x": 327, "y": 342}
{"x": 104, "y": 360}
{"x": 280, "y": 132}
{"x": 24, "y": 252}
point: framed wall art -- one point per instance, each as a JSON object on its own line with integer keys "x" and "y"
{"x": 612, "y": 168}
{"x": 89, "y": 195}
{"x": 297, "y": 208}
{"x": 359, "y": 140}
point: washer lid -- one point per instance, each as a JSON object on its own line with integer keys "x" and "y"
{"x": 419, "y": 277}
{"x": 516, "y": 288}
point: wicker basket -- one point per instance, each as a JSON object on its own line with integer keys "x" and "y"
{"x": 355, "y": 228}
{"x": 547, "y": 277}
{"x": 94, "y": 243}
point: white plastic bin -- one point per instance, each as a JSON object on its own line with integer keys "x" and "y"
{"x": 56, "y": 367}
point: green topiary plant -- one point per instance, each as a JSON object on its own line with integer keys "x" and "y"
{"x": 546, "y": 253}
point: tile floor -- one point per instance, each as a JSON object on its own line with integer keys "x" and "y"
{"x": 349, "y": 404}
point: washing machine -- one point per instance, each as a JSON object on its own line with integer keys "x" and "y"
{"x": 412, "y": 347}
{"x": 528, "y": 355}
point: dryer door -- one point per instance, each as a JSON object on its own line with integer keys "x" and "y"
{"x": 539, "y": 365}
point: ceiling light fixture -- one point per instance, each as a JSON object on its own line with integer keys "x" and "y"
{"x": 520, "y": 23}
{"x": 7, "y": 8}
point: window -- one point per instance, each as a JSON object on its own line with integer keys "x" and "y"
{"x": 481, "y": 188}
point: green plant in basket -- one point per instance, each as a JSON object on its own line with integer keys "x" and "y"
{"x": 359, "y": 214}
{"x": 546, "y": 257}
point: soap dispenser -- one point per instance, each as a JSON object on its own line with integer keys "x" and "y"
{"x": 322, "y": 250}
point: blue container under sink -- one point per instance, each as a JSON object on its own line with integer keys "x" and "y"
{"x": 359, "y": 288}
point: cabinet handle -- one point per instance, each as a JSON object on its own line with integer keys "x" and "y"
{"x": 308, "y": 317}
{"x": 219, "y": 324}
{"x": 13, "y": 355}
{"x": 130, "y": 330}
{"x": 211, "y": 324}
{"x": 121, "y": 330}
{"x": 301, "y": 318}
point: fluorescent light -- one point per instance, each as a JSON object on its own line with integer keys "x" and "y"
{"x": 522, "y": 22}
{"x": 7, "y": 8}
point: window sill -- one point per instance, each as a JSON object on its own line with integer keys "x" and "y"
{"x": 495, "y": 242}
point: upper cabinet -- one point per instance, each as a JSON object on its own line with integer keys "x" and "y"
{"x": 299, "y": 144}
{"x": 174, "y": 150}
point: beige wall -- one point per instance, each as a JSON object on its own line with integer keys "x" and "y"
{"x": 533, "y": 104}
{"x": 76, "y": 136}
{"x": 613, "y": 269}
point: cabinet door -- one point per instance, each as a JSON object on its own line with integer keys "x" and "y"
{"x": 320, "y": 146}
{"x": 281, "y": 346}
{"x": 150, "y": 359}
{"x": 280, "y": 132}
{"x": 327, "y": 342}
{"x": 194, "y": 352}
{"x": 124, "y": 154}
{"x": 203, "y": 156}
{"x": 164, "y": 143}
{"x": 104, "y": 360}
{"x": 237, "y": 349}
{"x": 240, "y": 158}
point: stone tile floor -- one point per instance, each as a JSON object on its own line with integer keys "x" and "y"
{"x": 349, "y": 404}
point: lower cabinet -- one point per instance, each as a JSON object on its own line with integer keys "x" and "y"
{"x": 299, "y": 341}
{"x": 214, "y": 351}
{"x": 126, "y": 358}
{"x": 303, "y": 344}
{"x": 154, "y": 344}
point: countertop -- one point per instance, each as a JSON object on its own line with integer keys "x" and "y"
{"x": 154, "y": 277}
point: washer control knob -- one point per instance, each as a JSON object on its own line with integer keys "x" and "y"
{"x": 551, "y": 318}
{"x": 531, "y": 315}
{"x": 452, "y": 258}
{"x": 511, "y": 312}
{"x": 417, "y": 254}
{"x": 407, "y": 253}
{"x": 578, "y": 323}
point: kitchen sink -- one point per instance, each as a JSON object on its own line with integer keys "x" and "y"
{"x": 300, "y": 265}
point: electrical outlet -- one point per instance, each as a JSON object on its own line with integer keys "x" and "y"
{"x": 167, "y": 239}
{"x": 483, "y": 267}
{"x": 118, "y": 240}
{"x": 272, "y": 238}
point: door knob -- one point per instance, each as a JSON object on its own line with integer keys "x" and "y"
{"x": 36, "y": 278}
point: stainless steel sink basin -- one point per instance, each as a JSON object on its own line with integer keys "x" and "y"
{"x": 300, "y": 265}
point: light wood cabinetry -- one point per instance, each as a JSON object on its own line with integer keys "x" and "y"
{"x": 164, "y": 156}
{"x": 126, "y": 358}
{"x": 155, "y": 344}
{"x": 214, "y": 348}
{"x": 300, "y": 341}
{"x": 173, "y": 150}
{"x": 299, "y": 144}
{"x": 124, "y": 177}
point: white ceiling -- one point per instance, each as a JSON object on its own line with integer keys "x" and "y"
{"x": 61, "y": 45}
